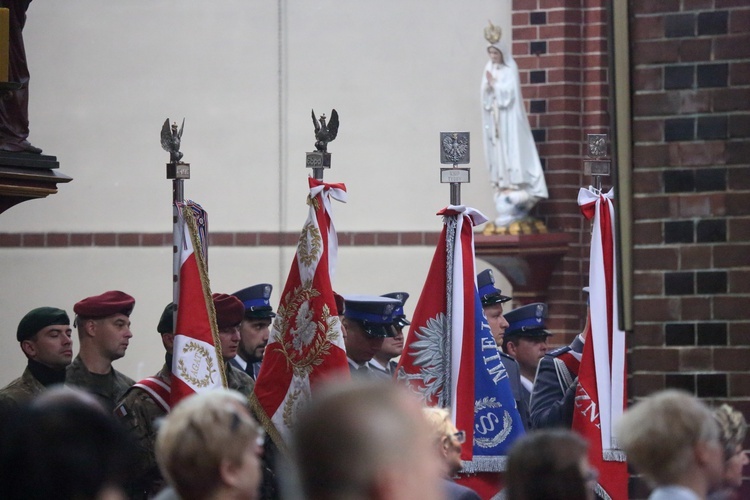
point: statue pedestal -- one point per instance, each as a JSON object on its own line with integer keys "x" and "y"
{"x": 25, "y": 176}
{"x": 526, "y": 260}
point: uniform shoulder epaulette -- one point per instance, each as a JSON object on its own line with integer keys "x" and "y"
{"x": 560, "y": 350}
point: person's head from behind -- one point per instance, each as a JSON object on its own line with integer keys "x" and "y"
{"x": 732, "y": 432}
{"x": 549, "y": 464}
{"x": 447, "y": 440}
{"x": 64, "y": 445}
{"x": 210, "y": 445}
{"x": 671, "y": 437}
{"x": 367, "y": 440}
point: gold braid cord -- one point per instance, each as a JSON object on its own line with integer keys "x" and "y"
{"x": 187, "y": 214}
{"x": 267, "y": 424}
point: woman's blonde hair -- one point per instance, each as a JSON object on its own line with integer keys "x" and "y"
{"x": 202, "y": 431}
{"x": 732, "y": 429}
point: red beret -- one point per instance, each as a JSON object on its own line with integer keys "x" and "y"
{"x": 229, "y": 310}
{"x": 106, "y": 304}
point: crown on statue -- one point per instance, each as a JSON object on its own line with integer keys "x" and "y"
{"x": 492, "y": 33}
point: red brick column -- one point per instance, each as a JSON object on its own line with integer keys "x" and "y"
{"x": 561, "y": 51}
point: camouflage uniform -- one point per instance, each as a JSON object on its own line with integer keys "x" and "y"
{"x": 239, "y": 380}
{"x": 107, "y": 388}
{"x": 21, "y": 390}
{"x": 138, "y": 412}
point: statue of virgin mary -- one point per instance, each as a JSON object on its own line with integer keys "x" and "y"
{"x": 515, "y": 170}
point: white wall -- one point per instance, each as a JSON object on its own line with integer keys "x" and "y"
{"x": 245, "y": 75}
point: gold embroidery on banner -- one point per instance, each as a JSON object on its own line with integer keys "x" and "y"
{"x": 309, "y": 247}
{"x": 201, "y": 354}
{"x": 314, "y": 201}
{"x": 289, "y": 408}
{"x": 302, "y": 346}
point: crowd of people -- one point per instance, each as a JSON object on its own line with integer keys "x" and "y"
{"x": 75, "y": 427}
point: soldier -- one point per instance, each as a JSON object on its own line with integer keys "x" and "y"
{"x": 45, "y": 337}
{"x": 553, "y": 397}
{"x": 492, "y": 306}
{"x": 141, "y": 406}
{"x": 368, "y": 320}
{"x": 255, "y": 327}
{"x": 525, "y": 340}
{"x": 229, "y": 314}
{"x": 103, "y": 323}
{"x": 384, "y": 363}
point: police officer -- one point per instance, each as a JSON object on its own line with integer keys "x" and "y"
{"x": 368, "y": 320}
{"x": 525, "y": 340}
{"x": 384, "y": 362}
{"x": 45, "y": 337}
{"x": 141, "y": 406}
{"x": 103, "y": 323}
{"x": 255, "y": 327}
{"x": 553, "y": 398}
{"x": 492, "y": 305}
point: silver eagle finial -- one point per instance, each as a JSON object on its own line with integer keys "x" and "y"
{"x": 325, "y": 132}
{"x": 170, "y": 140}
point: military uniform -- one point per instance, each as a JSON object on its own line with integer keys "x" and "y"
{"x": 239, "y": 380}
{"x": 379, "y": 371}
{"x": 107, "y": 388}
{"x": 528, "y": 322}
{"x": 375, "y": 317}
{"x": 138, "y": 411}
{"x": 257, "y": 302}
{"x": 37, "y": 376}
{"x": 514, "y": 377}
{"x": 553, "y": 399}
{"x": 18, "y": 392}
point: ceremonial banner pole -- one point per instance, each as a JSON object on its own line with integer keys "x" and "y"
{"x": 306, "y": 344}
{"x": 600, "y": 394}
{"x": 177, "y": 171}
{"x": 455, "y": 149}
{"x": 450, "y": 358}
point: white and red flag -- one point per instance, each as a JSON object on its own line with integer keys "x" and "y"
{"x": 451, "y": 358}
{"x": 600, "y": 395}
{"x": 306, "y": 344}
{"x": 197, "y": 364}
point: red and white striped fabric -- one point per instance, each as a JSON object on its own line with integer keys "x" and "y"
{"x": 600, "y": 396}
{"x": 197, "y": 364}
{"x": 306, "y": 344}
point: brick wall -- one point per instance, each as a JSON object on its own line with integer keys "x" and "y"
{"x": 690, "y": 62}
{"x": 691, "y": 188}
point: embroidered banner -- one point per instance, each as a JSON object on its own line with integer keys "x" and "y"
{"x": 306, "y": 344}
{"x": 600, "y": 395}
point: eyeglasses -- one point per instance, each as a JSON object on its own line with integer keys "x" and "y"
{"x": 460, "y": 436}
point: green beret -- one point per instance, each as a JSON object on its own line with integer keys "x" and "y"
{"x": 166, "y": 323}
{"x": 38, "y": 318}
